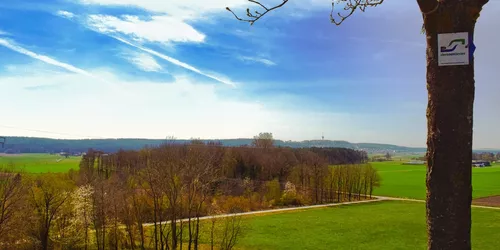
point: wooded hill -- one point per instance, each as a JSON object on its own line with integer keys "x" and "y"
{"x": 46, "y": 145}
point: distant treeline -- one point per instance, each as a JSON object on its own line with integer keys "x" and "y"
{"x": 486, "y": 156}
{"x": 261, "y": 164}
{"x": 45, "y": 145}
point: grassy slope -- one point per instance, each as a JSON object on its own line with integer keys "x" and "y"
{"x": 382, "y": 225}
{"x": 409, "y": 181}
{"x": 40, "y": 163}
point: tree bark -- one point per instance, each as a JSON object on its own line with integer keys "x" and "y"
{"x": 449, "y": 123}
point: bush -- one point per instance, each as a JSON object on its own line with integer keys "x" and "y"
{"x": 290, "y": 197}
{"x": 236, "y": 204}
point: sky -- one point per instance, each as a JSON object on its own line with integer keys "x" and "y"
{"x": 188, "y": 69}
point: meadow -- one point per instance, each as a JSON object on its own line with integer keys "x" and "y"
{"x": 40, "y": 163}
{"x": 408, "y": 181}
{"x": 379, "y": 225}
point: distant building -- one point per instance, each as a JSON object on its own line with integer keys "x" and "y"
{"x": 481, "y": 164}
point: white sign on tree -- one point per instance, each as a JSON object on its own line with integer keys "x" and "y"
{"x": 453, "y": 49}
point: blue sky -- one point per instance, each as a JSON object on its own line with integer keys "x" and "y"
{"x": 187, "y": 68}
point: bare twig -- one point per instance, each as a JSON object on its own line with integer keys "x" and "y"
{"x": 254, "y": 17}
{"x": 350, "y": 6}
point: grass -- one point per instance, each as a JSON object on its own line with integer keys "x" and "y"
{"x": 408, "y": 181}
{"x": 40, "y": 163}
{"x": 381, "y": 225}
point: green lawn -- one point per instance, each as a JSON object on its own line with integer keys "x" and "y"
{"x": 381, "y": 225}
{"x": 40, "y": 163}
{"x": 408, "y": 181}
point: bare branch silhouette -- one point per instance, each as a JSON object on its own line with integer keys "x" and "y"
{"x": 254, "y": 17}
{"x": 350, "y": 7}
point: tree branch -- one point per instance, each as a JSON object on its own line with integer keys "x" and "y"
{"x": 254, "y": 17}
{"x": 350, "y": 6}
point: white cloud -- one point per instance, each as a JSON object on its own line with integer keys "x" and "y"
{"x": 143, "y": 61}
{"x": 3, "y": 33}
{"x": 155, "y": 110}
{"x": 46, "y": 59}
{"x": 65, "y": 14}
{"x": 165, "y": 29}
{"x": 177, "y": 62}
{"x": 257, "y": 59}
{"x": 178, "y": 8}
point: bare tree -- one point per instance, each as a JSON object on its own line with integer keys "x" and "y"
{"x": 48, "y": 194}
{"x": 231, "y": 232}
{"x": 263, "y": 140}
{"x": 388, "y": 156}
{"x": 12, "y": 195}
{"x": 152, "y": 180}
{"x": 449, "y": 114}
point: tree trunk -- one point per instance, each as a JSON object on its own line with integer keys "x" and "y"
{"x": 449, "y": 122}
{"x": 45, "y": 239}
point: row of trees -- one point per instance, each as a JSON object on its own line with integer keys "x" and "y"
{"x": 486, "y": 156}
{"x": 127, "y": 200}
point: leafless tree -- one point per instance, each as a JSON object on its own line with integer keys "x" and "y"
{"x": 263, "y": 140}
{"x": 48, "y": 194}
{"x": 12, "y": 197}
{"x": 231, "y": 232}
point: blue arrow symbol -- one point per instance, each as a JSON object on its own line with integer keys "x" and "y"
{"x": 472, "y": 47}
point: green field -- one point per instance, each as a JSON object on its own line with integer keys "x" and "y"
{"x": 380, "y": 225}
{"x": 40, "y": 163}
{"x": 407, "y": 181}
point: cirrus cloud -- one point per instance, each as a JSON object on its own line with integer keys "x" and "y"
{"x": 179, "y": 8}
{"x": 164, "y": 29}
{"x": 143, "y": 61}
{"x": 257, "y": 59}
{"x": 65, "y": 14}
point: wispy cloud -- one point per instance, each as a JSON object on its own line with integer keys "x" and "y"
{"x": 2, "y": 33}
{"x": 176, "y": 62}
{"x": 143, "y": 61}
{"x": 46, "y": 59}
{"x": 65, "y": 14}
{"x": 14, "y": 47}
{"x": 177, "y": 8}
{"x": 257, "y": 59}
{"x": 164, "y": 29}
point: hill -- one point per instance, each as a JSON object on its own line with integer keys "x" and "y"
{"x": 47, "y": 145}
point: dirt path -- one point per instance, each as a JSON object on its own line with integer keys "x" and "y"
{"x": 476, "y": 204}
{"x": 270, "y": 211}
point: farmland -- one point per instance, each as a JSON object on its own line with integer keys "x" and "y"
{"x": 40, "y": 163}
{"x": 408, "y": 181}
{"x": 379, "y": 225}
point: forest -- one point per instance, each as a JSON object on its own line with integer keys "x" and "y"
{"x": 127, "y": 199}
